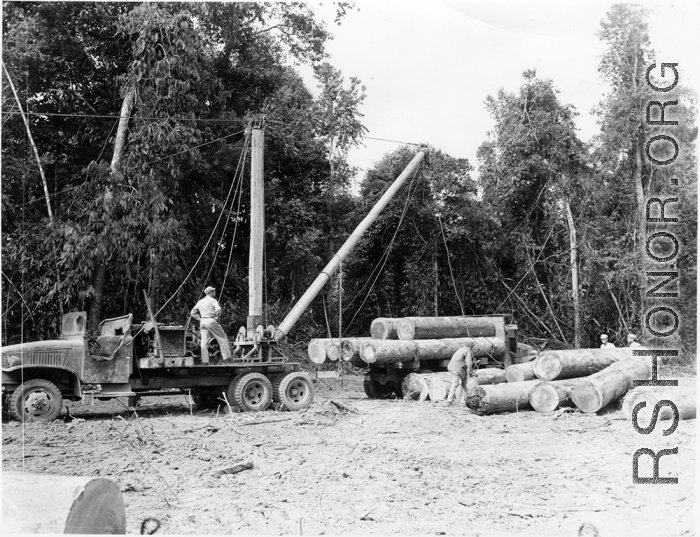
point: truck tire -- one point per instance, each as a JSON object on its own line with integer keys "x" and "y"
{"x": 375, "y": 390}
{"x": 251, "y": 392}
{"x": 36, "y": 400}
{"x": 294, "y": 391}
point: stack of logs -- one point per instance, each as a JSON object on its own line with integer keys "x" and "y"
{"x": 412, "y": 338}
{"x": 588, "y": 379}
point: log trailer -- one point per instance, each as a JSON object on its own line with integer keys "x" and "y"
{"x": 426, "y": 344}
{"x": 149, "y": 359}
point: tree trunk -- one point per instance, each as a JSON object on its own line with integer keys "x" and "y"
{"x": 547, "y": 396}
{"x": 31, "y": 142}
{"x": 610, "y": 384}
{"x": 61, "y": 504}
{"x": 544, "y": 297}
{"x": 490, "y": 375}
{"x": 99, "y": 274}
{"x": 573, "y": 245}
{"x": 554, "y": 365}
{"x": 392, "y": 351}
{"x": 509, "y": 397}
{"x": 410, "y": 328}
{"x": 415, "y": 387}
{"x": 520, "y": 372}
{"x": 384, "y": 328}
{"x": 674, "y": 393}
{"x": 436, "y": 281}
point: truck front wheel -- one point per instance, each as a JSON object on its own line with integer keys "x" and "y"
{"x": 36, "y": 400}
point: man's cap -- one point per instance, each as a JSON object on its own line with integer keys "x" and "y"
{"x": 603, "y": 336}
{"x": 209, "y": 289}
{"x": 632, "y": 336}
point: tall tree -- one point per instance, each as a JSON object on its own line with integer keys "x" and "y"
{"x": 531, "y": 170}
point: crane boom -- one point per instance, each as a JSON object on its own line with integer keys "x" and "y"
{"x": 315, "y": 288}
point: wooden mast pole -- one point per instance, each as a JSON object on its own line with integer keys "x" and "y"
{"x": 257, "y": 230}
{"x": 311, "y": 293}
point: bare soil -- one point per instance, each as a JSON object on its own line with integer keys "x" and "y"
{"x": 350, "y": 465}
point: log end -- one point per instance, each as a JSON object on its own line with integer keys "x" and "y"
{"x": 586, "y": 397}
{"x": 513, "y": 374}
{"x": 406, "y": 329}
{"x": 379, "y": 329}
{"x": 368, "y": 353}
{"x": 547, "y": 366}
{"x": 544, "y": 398}
{"x": 317, "y": 351}
{"x": 333, "y": 353}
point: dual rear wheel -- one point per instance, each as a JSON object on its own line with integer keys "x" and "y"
{"x": 253, "y": 392}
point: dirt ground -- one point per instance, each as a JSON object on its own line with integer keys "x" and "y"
{"x": 368, "y": 467}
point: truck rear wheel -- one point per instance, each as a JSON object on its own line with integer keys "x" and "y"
{"x": 250, "y": 392}
{"x": 294, "y": 391}
{"x": 36, "y": 400}
{"x": 375, "y": 390}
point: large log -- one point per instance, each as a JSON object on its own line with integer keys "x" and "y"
{"x": 507, "y": 397}
{"x": 490, "y": 375}
{"x": 384, "y": 328}
{"x": 549, "y": 395}
{"x": 520, "y": 372}
{"x": 611, "y": 383}
{"x": 385, "y": 351}
{"x": 61, "y": 504}
{"x": 350, "y": 349}
{"x": 410, "y": 328}
{"x": 414, "y": 386}
{"x": 683, "y": 397}
{"x": 637, "y": 394}
{"x": 557, "y": 365}
{"x": 323, "y": 350}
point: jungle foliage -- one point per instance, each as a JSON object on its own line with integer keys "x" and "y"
{"x": 169, "y": 215}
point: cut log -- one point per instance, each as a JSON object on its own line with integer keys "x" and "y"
{"x": 384, "y": 328}
{"x": 393, "y": 351}
{"x": 490, "y": 375}
{"x": 556, "y": 365}
{"x": 350, "y": 349}
{"x": 414, "y": 386}
{"x": 520, "y": 372}
{"x": 61, "y": 504}
{"x": 637, "y": 394}
{"x": 321, "y": 351}
{"x": 438, "y": 385}
{"x": 683, "y": 397}
{"x": 611, "y": 383}
{"x": 506, "y": 397}
{"x": 549, "y": 395}
{"x": 410, "y": 328}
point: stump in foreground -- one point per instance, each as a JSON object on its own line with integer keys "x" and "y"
{"x": 61, "y": 504}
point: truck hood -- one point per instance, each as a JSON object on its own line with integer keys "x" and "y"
{"x": 13, "y": 355}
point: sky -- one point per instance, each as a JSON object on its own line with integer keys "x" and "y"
{"x": 428, "y": 65}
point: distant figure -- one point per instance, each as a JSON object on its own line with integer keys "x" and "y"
{"x": 632, "y": 341}
{"x": 207, "y": 311}
{"x": 605, "y": 344}
{"x": 460, "y": 366}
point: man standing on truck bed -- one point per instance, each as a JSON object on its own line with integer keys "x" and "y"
{"x": 207, "y": 311}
